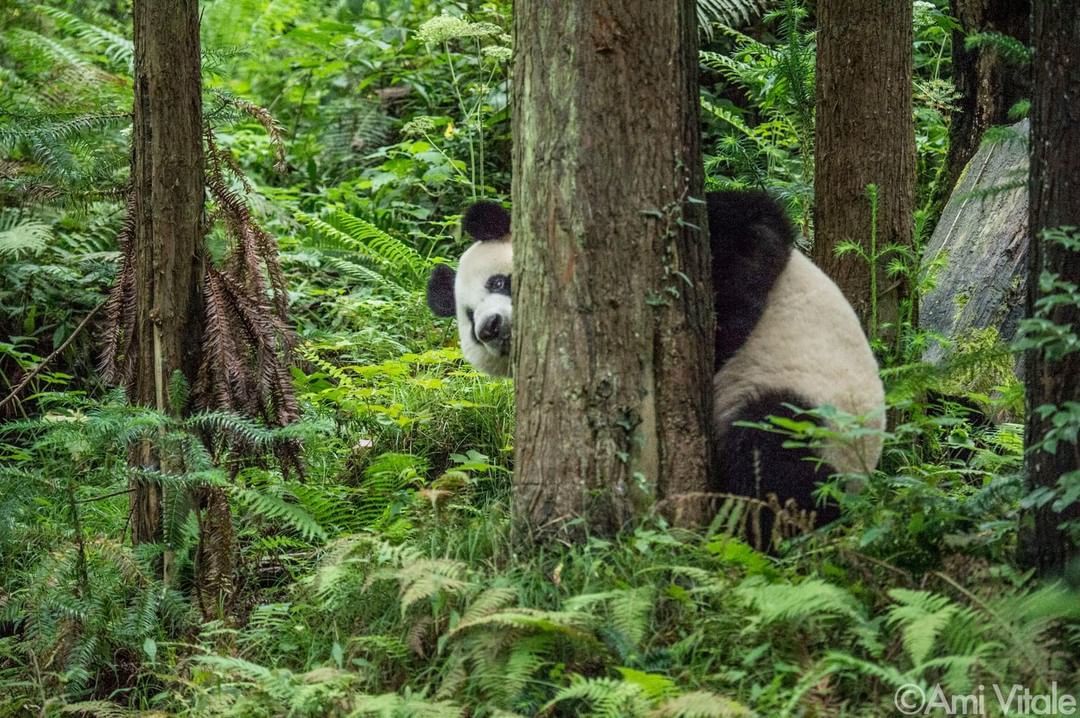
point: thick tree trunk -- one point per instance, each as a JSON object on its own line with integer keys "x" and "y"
{"x": 987, "y": 85}
{"x": 613, "y": 307}
{"x": 864, "y": 135}
{"x": 167, "y": 178}
{"x": 1055, "y": 202}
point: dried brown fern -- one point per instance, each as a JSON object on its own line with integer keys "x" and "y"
{"x": 246, "y": 341}
{"x": 117, "y": 357}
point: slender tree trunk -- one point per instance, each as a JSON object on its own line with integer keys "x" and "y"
{"x": 167, "y": 178}
{"x": 864, "y": 135}
{"x": 613, "y": 308}
{"x": 1055, "y": 202}
{"x": 987, "y": 85}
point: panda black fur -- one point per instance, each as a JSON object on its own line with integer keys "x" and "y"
{"x": 785, "y": 335}
{"x": 479, "y": 292}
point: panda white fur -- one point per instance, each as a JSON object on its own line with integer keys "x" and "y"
{"x": 785, "y": 336}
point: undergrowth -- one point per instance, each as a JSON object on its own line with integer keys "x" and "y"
{"x": 384, "y": 578}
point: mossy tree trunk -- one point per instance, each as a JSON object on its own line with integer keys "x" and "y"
{"x": 167, "y": 182}
{"x": 987, "y": 85}
{"x": 1055, "y": 202}
{"x": 613, "y": 311}
{"x": 864, "y": 135}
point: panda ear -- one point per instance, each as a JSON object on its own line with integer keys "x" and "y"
{"x": 440, "y": 291}
{"x": 486, "y": 221}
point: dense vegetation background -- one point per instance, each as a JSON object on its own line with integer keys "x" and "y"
{"x": 371, "y": 568}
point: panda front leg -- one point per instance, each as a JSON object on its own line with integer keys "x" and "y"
{"x": 754, "y": 462}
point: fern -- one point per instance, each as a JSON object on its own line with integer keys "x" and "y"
{"x": 628, "y": 609}
{"x": 791, "y": 602}
{"x": 701, "y": 704}
{"x": 277, "y": 508}
{"x": 278, "y": 690}
{"x": 605, "y": 698}
{"x": 1011, "y": 49}
{"x": 384, "y": 478}
{"x": 573, "y": 624}
{"x": 425, "y": 579}
{"x": 922, "y": 616}
{"x": 392, "y": 705}
{"x": 17, "y": 239}
{"x": 728, "y": 12}
{"x": 59, "y": 53}
{"x": 394, "y": 259}
{"x": 116, "y": 47}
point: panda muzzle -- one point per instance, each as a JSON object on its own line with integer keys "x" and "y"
{"x": 493, "y": 328}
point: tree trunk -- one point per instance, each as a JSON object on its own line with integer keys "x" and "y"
{"x": 987, "y": 85}
{"x": 167, "y": 179}
{"x": 1055, "y": 202}
{"x": 864, "y": 135}
{"x": 612, "y": 286}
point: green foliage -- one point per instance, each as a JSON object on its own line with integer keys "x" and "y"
{"x": 1009, "y": 48}
{"x": 1052, "y": 340}
{"x": 728, "y": 12}
{"x": 778, "y": 150}
{"x": 378, "y": 575}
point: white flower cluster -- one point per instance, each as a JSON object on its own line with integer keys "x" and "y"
{"x": 443, "y": 28}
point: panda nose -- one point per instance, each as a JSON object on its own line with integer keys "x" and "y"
{"x": 489, "y": 330}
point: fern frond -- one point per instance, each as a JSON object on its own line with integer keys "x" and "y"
{"x": 278, "y": 509}
{"x": 809, "y": 599}
{"x": 628, "y": 609}
{"x": 728, "y": 12}
{"x": 392, "y": 705}
{"x": 701, "y": 704}
{"x": 59, "y": 53}
{"x": 26, "y": 238}
{"x": 98, "y": 709}
{"x": 575, "y": 624}
{"x": 117, "y": 48}
{"x": 490, "y": 601}
{"x": 922, "y": 616}
{"x": 392, "y": 257}
{"x": 1010, "y": 49}
{"x": 605, "y": 697}
{"x": 424, "y": 578}
{"x": 45, "y": 130}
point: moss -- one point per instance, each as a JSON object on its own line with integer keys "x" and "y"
{"x": 980, "y": 363}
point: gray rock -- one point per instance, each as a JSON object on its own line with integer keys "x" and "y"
{"x": 981, "y": 244}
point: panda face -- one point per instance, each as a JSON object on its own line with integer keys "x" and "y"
{"x": 484, "y": 311}
{"x": 478, "y": 294}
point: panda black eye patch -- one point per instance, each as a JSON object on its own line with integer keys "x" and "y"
{"x": 499, "y": 284}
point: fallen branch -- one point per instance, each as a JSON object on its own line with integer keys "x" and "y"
{"x": 44, "y": 362}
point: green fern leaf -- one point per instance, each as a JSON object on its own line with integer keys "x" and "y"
{"x": 701, "y": 704}
{"x": 26, "y": 238}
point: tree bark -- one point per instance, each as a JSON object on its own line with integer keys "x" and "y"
{"x": 612, "y": 298}
{"x": 167, "y": 179}
{"x": 864, "y": 135}
{"x": 987, "y": 85}
{"x": 1055, "y": 202}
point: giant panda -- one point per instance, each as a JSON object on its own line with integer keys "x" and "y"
{"x": 785, "y": 337}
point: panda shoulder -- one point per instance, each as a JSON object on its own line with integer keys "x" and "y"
{"x": 749, "y": 223}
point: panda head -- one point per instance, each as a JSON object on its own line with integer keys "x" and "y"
{"x": 479, "y": 292}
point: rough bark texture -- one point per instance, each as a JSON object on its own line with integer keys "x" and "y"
{"x": 981, "y": 245}
{"x": 864, "y": 135}
{"x": 167, "y": 178}
{"x": 986, "y": 84}
{"x": 1055, "y": 202}
{"x": 613, "y": 313}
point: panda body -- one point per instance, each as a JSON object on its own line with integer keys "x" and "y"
{"x": 785, "y": 337}
{"x": 792, "y": 352}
